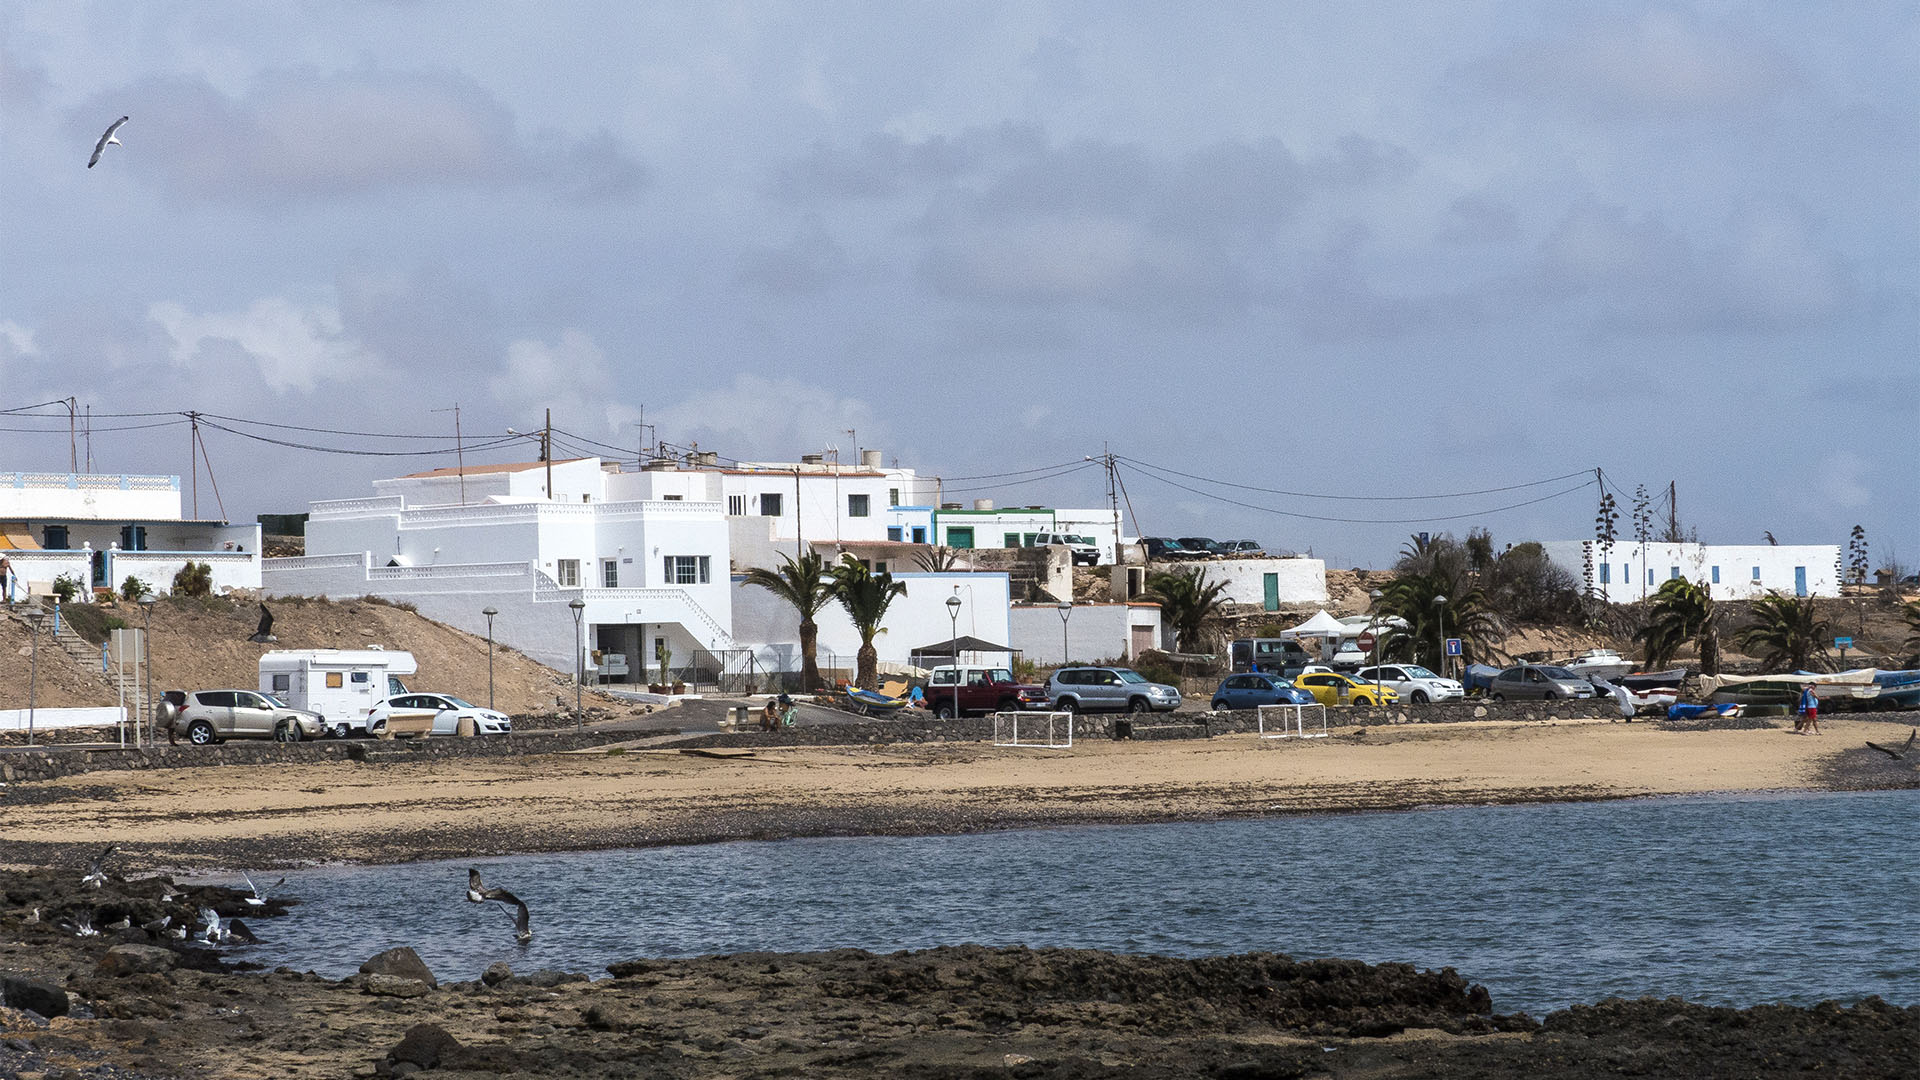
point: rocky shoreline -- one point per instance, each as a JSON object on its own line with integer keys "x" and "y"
{"x": 131, "y": 1004}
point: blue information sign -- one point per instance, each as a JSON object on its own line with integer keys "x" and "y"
{"x": 1453, "y": 646}
{"x": 1843, "y": 643}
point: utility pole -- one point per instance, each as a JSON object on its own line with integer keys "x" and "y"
{"x": 73, "y": 445}
{"x": 1673, "y": 514}
{"x": 193, "y": 445}
{"x": 1113, "y": 497}
{"x": 799, "y": 545}
{"x": 546, "y": 451}
{"x": 459, "y": 454}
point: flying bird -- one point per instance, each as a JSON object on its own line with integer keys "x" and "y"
{"x": 1905, "y": 748}
{"x": 95, "y": 876}
{"x": 479, "y": 893}
{"x": 265, "y": 632}
{"x": 106, "y": 140}
{"x": 258, "y": 899}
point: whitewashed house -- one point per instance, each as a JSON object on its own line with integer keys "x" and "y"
{"x": 1269, "y": 584}
{"x": 1086, "y": 632}
{"x": 1626, "y": 571}
{"x": 529, "y": 539}
{"x": 100, "y": 529}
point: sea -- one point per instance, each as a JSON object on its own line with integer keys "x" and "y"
{"x": 1725, "y": 899}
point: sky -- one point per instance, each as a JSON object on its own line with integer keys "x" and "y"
{"x": 1320, "y": 274}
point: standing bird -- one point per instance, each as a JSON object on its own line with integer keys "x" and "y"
{"x": 97, "y": 877}
{"x": 479, "y": 893}
{"x": 106, "y": 140}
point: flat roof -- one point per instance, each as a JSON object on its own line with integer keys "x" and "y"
{"x": 476, "y": 470}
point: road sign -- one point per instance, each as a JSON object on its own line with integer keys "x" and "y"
{"x": 1366, "y": 641}
{"x": 1453, "y": 646}
{"x": 1843, "y": 643}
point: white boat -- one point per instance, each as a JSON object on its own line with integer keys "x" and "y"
{"x": 1601, "y": 663}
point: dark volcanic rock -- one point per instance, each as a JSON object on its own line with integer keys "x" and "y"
{"x": 134, "y": 959}
{"x": 547, "y": 977}
{"x": 402, "y": 962}
{"x": 496, "y": 973}
{"x": 21, "y": 992}
{"x": 425, "y": 1046}
{"x": 394, "y": 986}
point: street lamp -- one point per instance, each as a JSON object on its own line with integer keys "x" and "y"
{"x": 146, "y": 661}
{"x": 1066, "y": 612}
{"x": 579, "y": 607}
{"x": 953, "y": 643}
{"x": 489, "y": 611}
{"x": 1446, "y": 665}
{"x": 1373, "y": 622}
{"x": 34, "y": 615}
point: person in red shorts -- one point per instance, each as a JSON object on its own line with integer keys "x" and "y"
{"x": 1809, "y": 722}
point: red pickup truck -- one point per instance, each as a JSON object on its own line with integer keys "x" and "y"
{"x": 980, "y": 690}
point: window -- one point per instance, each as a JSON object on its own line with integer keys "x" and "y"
{"x": 358, "y": 678}
{"x": 919, "y": 534}
{"x": 1672, "y": 572}
{"x": 1756, "y": 573}
{"x": 610, "y": 573}
{"x": 961, "y": 537}
{"x": 893, "y": 496}
{"x": 737, "y": 505}
{"x": 1716, "y": 575}
{"x": 1010, "y": 540}
{"x": 770, "y": 504}
{"x": 1649, "y": 575}
{"x": 672, "y": 498}
{"x": 282, "y": 682}
{"x": 1028, "y": 539}
{"x": 857, "y": 505}
{"x": 893, "y": 532}
{"x": 1606, "y": 573}
{"x": 687, "y": 569}
{"x": 567, "y": 573}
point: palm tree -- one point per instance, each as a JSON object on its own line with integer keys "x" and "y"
{"x": 866, "y": 594}
{"x": 804, "y": 584}
{"x": 1187, "y": 602}
{"x": 936, "y": 560}
{"x": 1466, "y": 615}
{"x": 1681, "y": 611}
{"x": 1913, "y": 631}
{"x": 1786, "y": 631}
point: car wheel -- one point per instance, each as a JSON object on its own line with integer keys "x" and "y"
{"x": 1220, "y": 705}
{"x": 1138, "y": 705}
{"x": 1419, "y": 697}
{"x": 340, "y": 731}
{"x": 1009, "y": 705}
{"x": 944, "y": 710}
{"x": 287, "y": 730}
{"x": 1496, "y": 697}
{"x": 1067, "y": 704}
{"x": 200, "y": 733}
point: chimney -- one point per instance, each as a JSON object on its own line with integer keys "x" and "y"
{"x": 871, "y": 459}
{"x": 813, "y": 459}
{"x": 983, "y": 504}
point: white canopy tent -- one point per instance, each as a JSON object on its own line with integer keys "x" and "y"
{"x": 1322, "y": 625}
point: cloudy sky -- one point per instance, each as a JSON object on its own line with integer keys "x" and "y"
{"x": 1368, "y": 250}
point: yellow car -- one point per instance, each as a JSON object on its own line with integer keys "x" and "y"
{"x": 1331, "y": 688}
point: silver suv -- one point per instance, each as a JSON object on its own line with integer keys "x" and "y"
{"x": 211, "y": 716}
{"x": 1104, "y": 689}
{"x": 1538, "y": 681}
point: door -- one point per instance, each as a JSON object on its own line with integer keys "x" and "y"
{"x": 252, "y": 715}
{"x": 1270, "y": 586}
{"x": 217, "y": 707}
{"x": 958, "y": 537}
{"x": 1799, "y": 581}
{"x": 1142, "y": 641}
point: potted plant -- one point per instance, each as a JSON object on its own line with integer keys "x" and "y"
{"x": 666, "y": 680}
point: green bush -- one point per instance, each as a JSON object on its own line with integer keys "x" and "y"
{"x": 194, "y": 579}
{"x": 66, "y": 587}
{"x": 134, "y": 589}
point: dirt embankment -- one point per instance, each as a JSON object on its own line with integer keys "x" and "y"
{"x": 203, "y": 644}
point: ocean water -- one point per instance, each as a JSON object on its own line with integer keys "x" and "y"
{"x": 1733, "y": 900}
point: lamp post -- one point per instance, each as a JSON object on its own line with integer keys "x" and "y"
{"x": 1440, "y": 603}
{"x": 34, "y": 615}
{"x": 1066, "y": 612}
{"x": 953, "y": 643}
{"x": 579, "y": 607}
{"x": 489, "y": 611}
{"x": 146, "y": 660}
{"x": 1373, "y": 631}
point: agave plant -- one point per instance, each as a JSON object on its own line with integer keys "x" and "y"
{"x": 1187, "y": 602}
{"x": 1786, "y": 633}
{"x": 866, "y": 594}
{"x": 805, "y": 585}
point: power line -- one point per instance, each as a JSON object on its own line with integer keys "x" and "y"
{"x": 1353, "y": 498}
{"x": 1358, "y": 521}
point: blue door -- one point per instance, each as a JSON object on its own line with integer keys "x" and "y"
{"x": 1799, "y": 581}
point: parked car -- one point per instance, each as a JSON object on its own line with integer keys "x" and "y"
{"x": 212, "y": 716}
{"x": 1333, "y": 688}
{"x": 1254, "y": 689}
{"x": 1538, "y": 681}
{"x": 1413, "y": 682}
{"x": 1104, "y": 689}
{"x": 448, "y": 712}
{"x": 1349, "y": 657}
{"x": 1083, "y": 551}
{"x": 982, "y": 689}
{"x": 1274, "y": 656}
{"x": 1166, "y": 548}
{"x": 1204, "y": 545}
{"x": 1240, "y": 548}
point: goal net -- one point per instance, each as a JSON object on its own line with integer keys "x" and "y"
{"x": 1275, "y": 719}
{"x": 1049, "y": 730}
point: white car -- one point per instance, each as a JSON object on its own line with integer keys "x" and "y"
{"x": 449, "y": 711}
{"x": 1414, "y": 683}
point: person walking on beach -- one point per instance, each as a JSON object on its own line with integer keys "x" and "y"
{"x": 1809, "y": 722}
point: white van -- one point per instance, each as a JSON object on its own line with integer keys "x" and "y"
{"x": 343, "y": 685}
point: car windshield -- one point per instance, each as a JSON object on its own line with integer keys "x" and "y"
{"x": 1415, "y": 671}
{"x": 1556, "y": 672}
{"x": 275, "y": 702}
{"x": 458, "y": 703}
{"x": 1129, "y": 675}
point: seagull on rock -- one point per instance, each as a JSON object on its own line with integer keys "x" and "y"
{"x": 95, "y": 876}
{"x": 214, "y": 932}
{"x": 106, "y": 140}
{"x": 479, "y": 893}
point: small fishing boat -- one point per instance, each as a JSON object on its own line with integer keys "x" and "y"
{"x": 1604, "y": 663}
{"x": 1651, "y": 680}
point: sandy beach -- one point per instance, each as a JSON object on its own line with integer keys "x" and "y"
{"x": 632, "y": 796}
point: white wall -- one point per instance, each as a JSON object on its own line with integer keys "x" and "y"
{"x": 991, "y": 526}
{"x": 918, "y": 618}
{"x": 1094, "y": 631}
{"x": 1301, "y": 581}
{"x": 29, "y": 495}
{"x": 1628, "y": 578}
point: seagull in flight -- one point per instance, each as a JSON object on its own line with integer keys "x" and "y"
{"x": 1900, "y": 754}
{"x": 106, "y": 140}
{"x": 95, "y": 876}
{"x": 258, "y": 899}
{"x": 479, "y": 893}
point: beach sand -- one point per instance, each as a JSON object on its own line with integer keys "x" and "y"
{"x": 285, "y": 815}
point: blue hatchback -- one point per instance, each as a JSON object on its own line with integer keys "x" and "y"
{"x": 1257, "y": 688}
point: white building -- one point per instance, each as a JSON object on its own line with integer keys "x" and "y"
{"x": 652, "y": 572}
{"x": 1089, "y": 632}
{"x": 1269, "y": 584}
{"x": 1625, "y": 571}
{"x": 771, "y": 629}
{"x": 100, "y": 529}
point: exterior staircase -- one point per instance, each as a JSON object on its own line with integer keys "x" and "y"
{"x": 83, "y": 654}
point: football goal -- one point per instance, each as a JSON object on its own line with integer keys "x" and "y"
{"x": 1275, "y": 718}
{"x": 1047, "y": 730}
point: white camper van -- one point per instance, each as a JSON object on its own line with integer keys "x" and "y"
{"x": 343, "y": 685}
